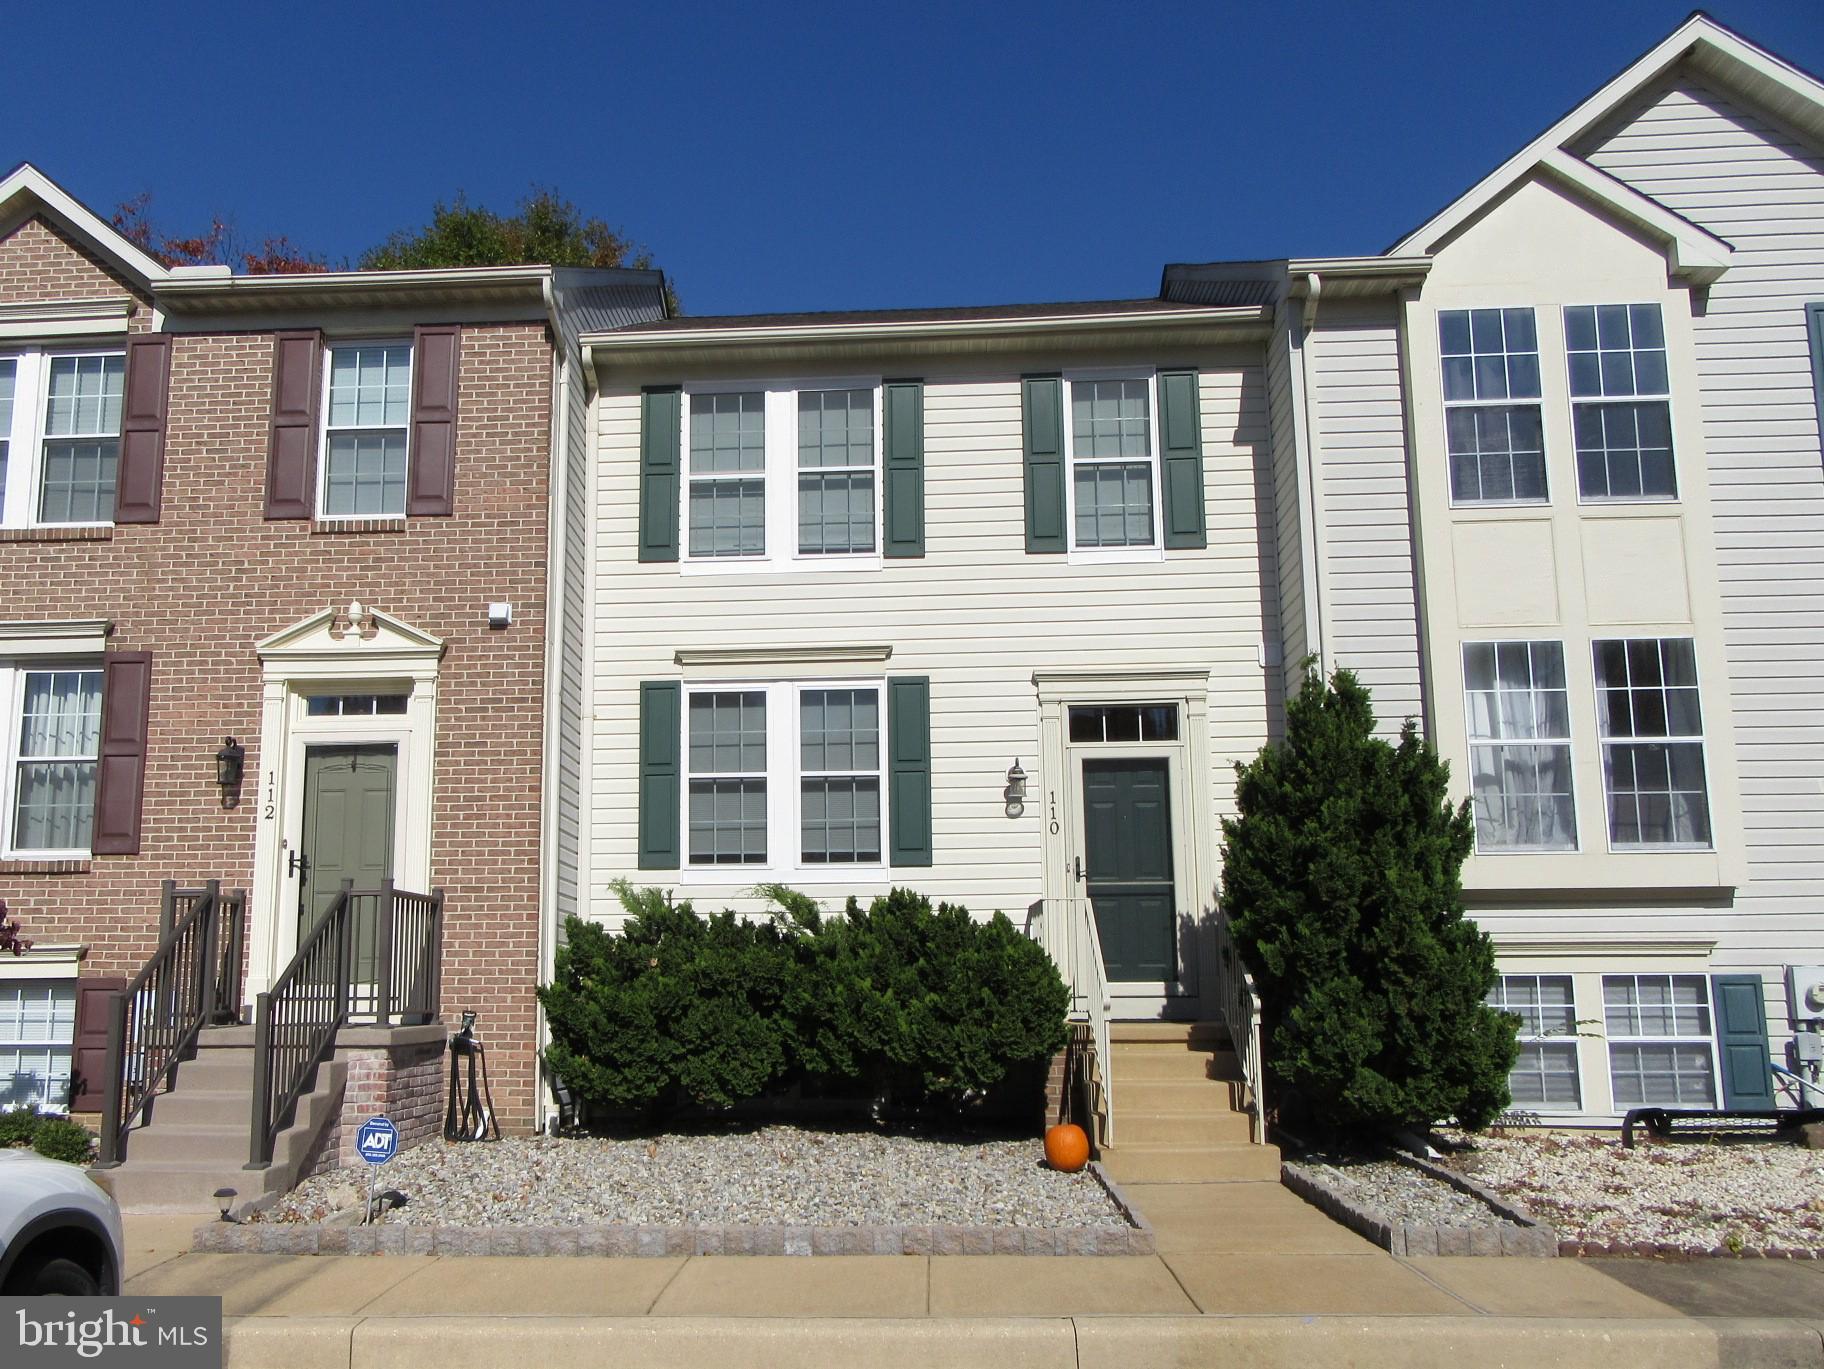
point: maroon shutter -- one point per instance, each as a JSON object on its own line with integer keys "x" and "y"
{"x": 89, "y": 1056}
{"x": 126, "y": 699}
{"x": 297, "y": 389}
{"x": 142, "y": 432}
{"x": 432, "y": 477}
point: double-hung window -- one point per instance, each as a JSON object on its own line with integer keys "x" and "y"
{"x": 37, "y": 1029}
{"x": 1621, "y": 411}
{"x": 366, "y": 430}
{"x": 60, "y": 415}
{"x": 782, "y": 477}
{"x": 1545, "y": 1073}
{"x": 1114, "y": 462}
{"x": 784, "y": 776}
{"x": 1652, "y": 730}
{"x": 1660, "y": 1048}
{"x": 1519, "y": 745}
{"x": 52, "y": 738}
{"x": 1493, "y": 430}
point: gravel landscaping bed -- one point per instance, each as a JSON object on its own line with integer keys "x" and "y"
{"x": 1411, "y": 1207}
{"x": 774, "y": 1176}
{"x": 1405, "y": 1194}
{"x": 1662, "y": 1198}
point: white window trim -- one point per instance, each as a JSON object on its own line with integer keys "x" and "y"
{"x": 1708, "y": 1040}
{"x": 1572, "y": 401}
{"x": 13, "y": 671}
{"x": 1471, "y": 742}
{"x": 1603, "y": 742}
{"x": 23, "y": 495}
{"x": 1581, "y": 1106}
{"x": 780, "y": 476}
{"x": 1104, "y": 555}
{"x": 1447, "y": 406}
{"x": 324, "y": 432}
{"x": 784, "y": 834}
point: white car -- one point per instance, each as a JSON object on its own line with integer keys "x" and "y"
{"x": 59, "y": 1230}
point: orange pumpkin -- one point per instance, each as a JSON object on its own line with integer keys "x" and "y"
{"x": 1066, "y": 1148}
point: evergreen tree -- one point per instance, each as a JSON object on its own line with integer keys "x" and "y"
{"x": 1342, "y": 876}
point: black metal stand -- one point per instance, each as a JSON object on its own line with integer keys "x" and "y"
{"x": 469, "y": 1114}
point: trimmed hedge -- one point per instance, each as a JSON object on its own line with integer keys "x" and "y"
{"x": 55, "y": 1138}
{"x": 913, "y": 1003}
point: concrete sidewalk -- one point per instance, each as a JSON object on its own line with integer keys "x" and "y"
{"x": 1247, "y": 1274}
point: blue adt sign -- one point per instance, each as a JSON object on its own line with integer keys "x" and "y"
{"x": 378, "y": 1140}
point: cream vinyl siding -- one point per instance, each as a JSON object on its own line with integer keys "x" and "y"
{"x": 1358, "y": 427}
{"x": 1760, "y": 188}
{"x": 572, "y": 647}
{"x": 976, "y": 614}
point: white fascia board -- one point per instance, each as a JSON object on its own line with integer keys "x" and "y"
{"x": 1693, "y": 254}
{"x": 32, "y": 186}
{"x": 891, "y": 331}
{"x": 1699, "y": 36}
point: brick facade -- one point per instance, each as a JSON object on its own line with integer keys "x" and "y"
{"x": 214, "y": 577}
{"x": 405, "y": 1083}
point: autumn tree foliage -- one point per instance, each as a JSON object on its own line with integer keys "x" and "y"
{"x": 548, "y": 230}
{"x": 218, "y": 245}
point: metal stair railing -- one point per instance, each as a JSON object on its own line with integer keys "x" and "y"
{"x": 191, "y": 981}
{"x": 1241, "y": 1013}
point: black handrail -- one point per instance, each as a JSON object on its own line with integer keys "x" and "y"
{"x": 296, "y": 1021}
{"x": 186, "y": 985}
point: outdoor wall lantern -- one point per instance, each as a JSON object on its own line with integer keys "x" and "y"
{"x": 1015, "y": 792}
{"x": 230, "y": 765}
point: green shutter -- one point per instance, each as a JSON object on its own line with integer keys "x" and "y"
{"x": 660, "y": 701}
{"x": 904, "y": 430}
{"x": 661, "y": 411}
{"x": 1181, "y": 459}
{"x": 1042, "y": 421}
{"x": 1741, "y": 1035}
{"x": 909, "y": 769}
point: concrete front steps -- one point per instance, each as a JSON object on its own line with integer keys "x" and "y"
{"x": 195, "y": 1137}
{"x": 1177, "y": 1092}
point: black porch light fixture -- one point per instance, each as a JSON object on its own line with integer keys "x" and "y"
{"x": 230, "y": 766}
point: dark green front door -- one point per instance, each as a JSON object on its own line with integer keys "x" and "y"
{"x": 348, "y": 835}
{"x": 1127, "y": 840}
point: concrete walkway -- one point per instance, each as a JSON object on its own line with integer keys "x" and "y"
{"x": 1246, "y": 1273}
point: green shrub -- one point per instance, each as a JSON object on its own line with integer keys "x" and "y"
{"x": 1342, "y": 874}
{"x": 676, "y": 1004}
{"x": 903, "y": 999}
{"x": 18, "y": 1127}
{"x": 57, "y": 1139}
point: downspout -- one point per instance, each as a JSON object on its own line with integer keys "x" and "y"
{"x": 1310, "y": 472}
{"x": 557, "y": 591}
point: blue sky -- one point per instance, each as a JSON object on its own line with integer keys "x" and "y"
{"x": 843, "y": 155}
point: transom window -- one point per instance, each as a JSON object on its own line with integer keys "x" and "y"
{"x": 37, "y": 1029}
{"x": 1520, "y": 745}
{"x": 1660, "y": 1048}
{"x": 366, "y": 430}
{"x": 1113, "y": 458}
{"x": 53, "y": 741}
{"x": 782, "y": 476}
{"x": 1124, "y": 722}
{"x": 784, "y": 776}
{"x": 60, "y": 416}
{"x": 354, "y": 705}
{"x": 1493, "y": 430}
{"x": 1621, "y": 416}
{"x": 1545, "y": 1073}
{"x": 1648, "y": 715}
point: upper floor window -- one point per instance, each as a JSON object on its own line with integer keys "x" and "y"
{"x": 1114, "y": 459}
{"x": 784, "y": 775}
{"x": 1519, "y": 745}
{"x": 1493, "y": 430}
{"x": 783, "y": 476}
{"x": 1652, "y": 732}
{"x": 59, "y": 436}
{"x": 367, "y": 423}
{"x": 52, "y": 740}
{"x": 1621, "y": 413}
